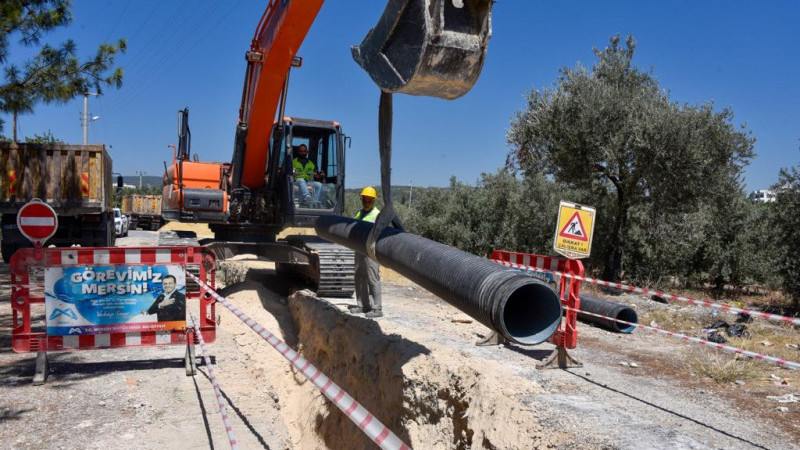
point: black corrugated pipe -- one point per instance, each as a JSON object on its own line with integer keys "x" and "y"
{"x": 609, "y": 309}
{"x": 520, "y": 308}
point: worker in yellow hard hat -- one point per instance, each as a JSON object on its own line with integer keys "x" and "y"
{"x": 368, "y": 278}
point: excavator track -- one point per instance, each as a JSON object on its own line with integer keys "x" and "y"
{"x": 329, "y": 269}
{"x": 332, "y": 268}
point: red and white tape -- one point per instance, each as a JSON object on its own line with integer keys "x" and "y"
{"x": 694, "y": 301}
{"x": 728, "y": 348}
{"x": 369, "y": 424}
{"x": 220, "y": 400}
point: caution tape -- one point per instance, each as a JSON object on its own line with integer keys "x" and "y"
{"x": 693, "y": 301}
{"x": 220, "y": 401}
{"x": 369, "y": 424}
{"x": 779, "y": 361}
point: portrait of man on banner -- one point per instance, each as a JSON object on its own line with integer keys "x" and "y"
{"x": 170, "y": 306}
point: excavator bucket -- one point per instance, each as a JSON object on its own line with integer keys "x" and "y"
{"x": 427, "y": 47}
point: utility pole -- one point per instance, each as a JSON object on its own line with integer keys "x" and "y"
{"x": 140, "y": 173}
{"x": 85, "y": 117}
{"x": 410, "y": 192}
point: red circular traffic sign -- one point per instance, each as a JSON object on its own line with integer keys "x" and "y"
{"x": 37, "y": 221}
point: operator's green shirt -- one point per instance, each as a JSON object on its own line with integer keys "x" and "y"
{"x": 303, "y": 171}
{"x": 368, "y": 216}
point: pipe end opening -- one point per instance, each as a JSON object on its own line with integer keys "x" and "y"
{"x": 628, "y": 315}
{"x": 532, "y": 313}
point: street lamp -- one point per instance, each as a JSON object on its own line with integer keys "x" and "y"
{"x": 140, "y": 173}
{"x": 85, "y": 119}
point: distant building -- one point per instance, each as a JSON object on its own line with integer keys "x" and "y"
{"x": 763, "y": 195}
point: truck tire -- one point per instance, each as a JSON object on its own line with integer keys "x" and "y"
{"x": 111, "y": 234}
{"x": 105, "y": 235}
{"x": 11, "y": 242}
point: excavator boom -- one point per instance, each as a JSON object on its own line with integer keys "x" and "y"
{"x": 279, "y": 34}
{"x": 419, "y": 47}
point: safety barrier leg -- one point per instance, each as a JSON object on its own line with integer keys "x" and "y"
{"x": 42, "y": 369}
{"x": 559, "y": 358}
{"x": 189, "y": 360}
{"x": 493, "y": 339}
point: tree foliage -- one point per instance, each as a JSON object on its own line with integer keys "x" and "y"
{"x": 55, "y": 74}
{"x": 787, "y": 227}
{"x": 613, "y": 132}
{"x": 500, "y": 211}
{"x": 46, "y": 138}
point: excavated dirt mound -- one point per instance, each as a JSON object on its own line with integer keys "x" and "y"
{"x": 430, "y": 402}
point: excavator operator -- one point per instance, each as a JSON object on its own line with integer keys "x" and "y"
{"x": 304, "y": 171}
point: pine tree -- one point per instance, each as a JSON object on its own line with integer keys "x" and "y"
{"x": 54, "y": 74}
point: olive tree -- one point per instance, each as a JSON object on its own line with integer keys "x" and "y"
{"x": 787, "y": 232}
{"x": 613, "y": 131}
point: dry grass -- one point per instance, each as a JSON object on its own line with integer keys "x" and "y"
{"x": 768, "y": 338}
{"x": 723, "y": 368}
{"x": 780, "y": 336}
{"x": 668, "y": 319}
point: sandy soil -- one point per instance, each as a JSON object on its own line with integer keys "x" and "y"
{"x": 417, "y": 369}
{"x": 201, "y": 229}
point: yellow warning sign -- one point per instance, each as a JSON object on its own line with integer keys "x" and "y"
{"x": 574, "y": 229}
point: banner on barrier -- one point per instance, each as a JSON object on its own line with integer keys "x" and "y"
{"x": 85, "y": 300}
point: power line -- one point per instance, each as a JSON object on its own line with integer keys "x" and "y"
{"x": 122, "y": 14}
{"x": 162, "y": 62}
{"x": 152, "y": 12}
{"x": 158, "y": 34}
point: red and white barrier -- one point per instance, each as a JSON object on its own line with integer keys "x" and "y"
{"x": 694, "y": 301}
{"x": 27, "y": 290}
{"x": 369, "y": 424}
{"x": 220, "y": 401}
{"x": 779, "y": 361}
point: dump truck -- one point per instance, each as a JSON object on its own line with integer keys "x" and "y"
{"x": 143, "y": 211}
{"x": 76, "y": 180}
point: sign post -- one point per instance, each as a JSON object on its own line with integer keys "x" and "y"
{"x": 574, "y": 230}
{"x": 37, "y": 221}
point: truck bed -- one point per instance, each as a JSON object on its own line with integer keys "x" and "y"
{"x": 73, "y": 179}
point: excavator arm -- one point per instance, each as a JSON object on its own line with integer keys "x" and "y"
{"x": 279, "y": 34}
{"x": 419, "y": 47}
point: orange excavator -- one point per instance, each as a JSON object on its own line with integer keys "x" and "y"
{"x": 419, "y": 47}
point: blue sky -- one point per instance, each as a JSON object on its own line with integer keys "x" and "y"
{"x": 190, "y": 53}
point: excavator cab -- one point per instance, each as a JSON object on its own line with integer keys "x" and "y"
{"x": 319, "y": 190}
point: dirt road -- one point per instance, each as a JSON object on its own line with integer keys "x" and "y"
{"x": 417, "y": 369}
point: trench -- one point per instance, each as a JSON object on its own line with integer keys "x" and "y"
{"x": 428, "y": 395}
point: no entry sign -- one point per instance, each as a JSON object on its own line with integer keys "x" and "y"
{"x": 37, "y": 221}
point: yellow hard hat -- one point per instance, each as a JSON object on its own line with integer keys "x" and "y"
{"x": 369, "y": 191}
